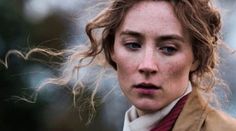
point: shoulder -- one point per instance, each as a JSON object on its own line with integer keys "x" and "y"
{"x": 219, "y": 121}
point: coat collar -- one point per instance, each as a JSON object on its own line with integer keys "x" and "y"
{"x": 193, "y": 114}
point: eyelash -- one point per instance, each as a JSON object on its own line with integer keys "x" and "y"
{"x": 133, "y": 45}
{"x": 168, "y": 50}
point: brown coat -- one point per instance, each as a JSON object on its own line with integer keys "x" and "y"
{"x": 197, "y": 115}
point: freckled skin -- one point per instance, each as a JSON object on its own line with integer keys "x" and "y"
{"x": 149, "y": 60}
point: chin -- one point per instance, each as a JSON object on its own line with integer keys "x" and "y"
{"x": 148, "y": 107}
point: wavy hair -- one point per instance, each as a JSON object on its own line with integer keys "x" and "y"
{"x": 199, "y": 18}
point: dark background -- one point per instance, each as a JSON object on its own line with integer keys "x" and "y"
{"x": 26, "y": 24}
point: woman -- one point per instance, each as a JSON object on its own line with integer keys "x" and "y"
{"x": 165, "y": 53}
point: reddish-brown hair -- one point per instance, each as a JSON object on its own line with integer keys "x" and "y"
{"x": 200, "y": 19}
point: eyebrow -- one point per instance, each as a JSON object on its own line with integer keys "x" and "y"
{"x": 170, "y": 37}
{"x": 131, "y": 33}
{"x": 158, "y": 39}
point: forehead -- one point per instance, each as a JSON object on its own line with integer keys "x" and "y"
{"x": 156, "y": 17}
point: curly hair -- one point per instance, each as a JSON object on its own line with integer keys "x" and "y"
{"x": 201, "y": 20}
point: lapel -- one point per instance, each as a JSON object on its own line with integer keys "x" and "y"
{"x": 193, "y": 114}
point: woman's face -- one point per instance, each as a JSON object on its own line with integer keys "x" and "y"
{"x": 153, "y": 55}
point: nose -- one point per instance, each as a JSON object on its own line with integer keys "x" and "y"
{"x": 148, "y": 65}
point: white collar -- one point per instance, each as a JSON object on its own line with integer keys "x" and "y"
{"x": 144, "y": 123}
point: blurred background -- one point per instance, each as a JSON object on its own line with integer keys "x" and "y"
{"x": 59, "y": 24}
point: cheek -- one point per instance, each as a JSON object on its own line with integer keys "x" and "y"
{"x": 124, "y": 75}
{"x": 126, "y": 62}
{"x": 177, "y": 69}
{"x": 124, "y": 69}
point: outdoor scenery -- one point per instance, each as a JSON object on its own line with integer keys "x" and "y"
{"x": 59, "y": 24}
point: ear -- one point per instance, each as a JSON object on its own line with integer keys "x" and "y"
{"x": 195, "y": 65}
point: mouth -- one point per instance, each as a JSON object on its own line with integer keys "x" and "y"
{"x": 147, "y": 86}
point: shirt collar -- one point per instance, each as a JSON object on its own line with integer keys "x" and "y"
{"x": 144, "y": 123}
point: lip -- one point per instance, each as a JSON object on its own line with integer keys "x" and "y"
{"x": 146, "y": 88}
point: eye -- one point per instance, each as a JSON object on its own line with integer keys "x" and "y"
{"x": 168, "y": 50}
{"x": 133, "y": 45}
